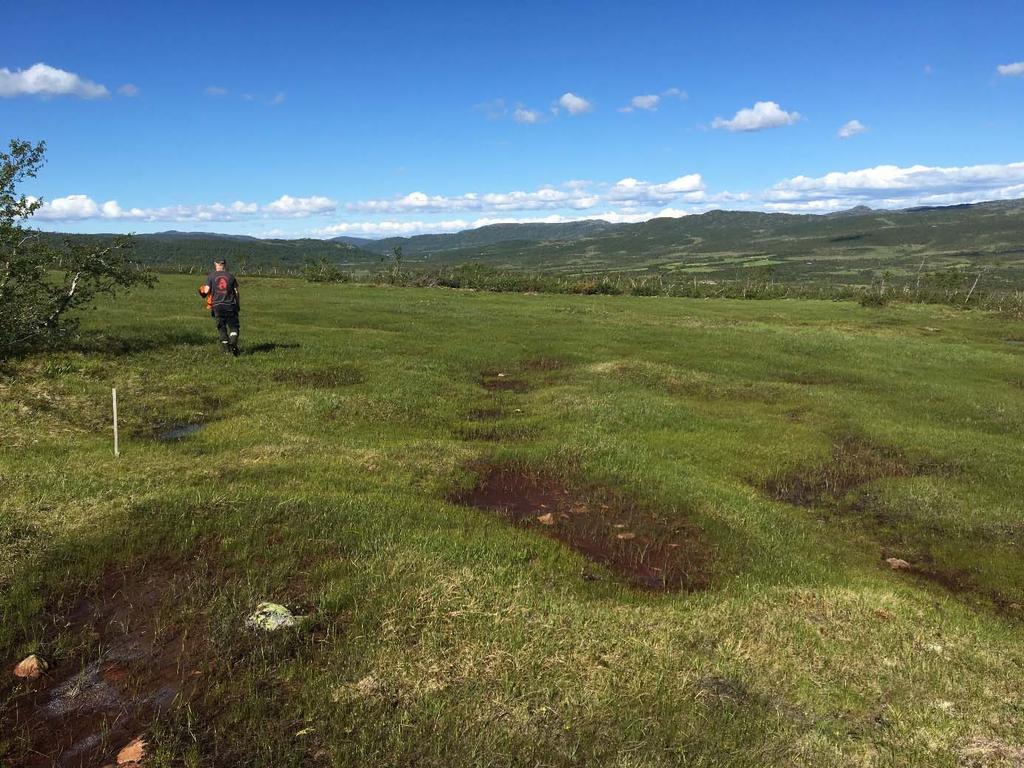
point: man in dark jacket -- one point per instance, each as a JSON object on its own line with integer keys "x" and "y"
{"x": 224, "y": 305}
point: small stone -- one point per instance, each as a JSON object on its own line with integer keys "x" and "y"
{"x": 548, "y": 519}
{"x": 133, "y": 752}
{"x": 625, "y": 535}
{"x": 897, "y": 564}
{"x": 31, "y": 667}
{"x": 271, "y": 617}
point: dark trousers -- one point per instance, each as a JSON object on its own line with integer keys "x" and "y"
{"x": 227, "y": 323}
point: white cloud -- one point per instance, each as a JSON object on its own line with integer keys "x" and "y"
{"x": 1011, "y": 70}
{"x": 293, "y": 207}
{"x": 648, "y": 102}
{"x": 764, "y": 114}
{"x": 651, "y": 101}
{"x": 128, "y": 89}
{"x": 526, "y": 116}
{"x": 81, "y": 207}
{"x": 891, "y": 186}
{"x": 279, "y": 98}
{"x": 851, "y": 129}
{"x": 573, "y": 195}
{"x": 43, "y": 80}
{"x": 573, "y": 104}
{"x": 216, "y": 90}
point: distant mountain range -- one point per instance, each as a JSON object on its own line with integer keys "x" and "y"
{"x": 837, "y": 244}
{"x": 481, "y": 236}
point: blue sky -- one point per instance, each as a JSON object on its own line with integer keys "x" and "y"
{"x": 385, "y": 118}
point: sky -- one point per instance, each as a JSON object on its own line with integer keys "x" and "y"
{"x": 396, "y": 118}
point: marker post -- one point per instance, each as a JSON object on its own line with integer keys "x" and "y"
{"x": 113, "y": 394}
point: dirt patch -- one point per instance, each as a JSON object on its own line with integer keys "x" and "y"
{"x": 320, "y": 378}
{"x": 854, "y": 462}
{"x": 179, "y": 431}
{"x": 485, "y": 414}
{"x": 664, "y": 552}
{"x": 499, "y": 381}
{"x": 490, "y": 432}
{"x": 133, "y": 664}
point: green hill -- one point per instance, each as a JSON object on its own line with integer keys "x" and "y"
{"x": 844, "y": 247}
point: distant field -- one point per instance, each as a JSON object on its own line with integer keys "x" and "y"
{"x": 956, "y": 244}
{"x": 527, "y": 530}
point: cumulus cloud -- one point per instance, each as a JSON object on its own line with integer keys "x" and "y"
{"x": 764, "y": 114}
{"x": 291, "y": 207}
{"x": 526, "y": 116}
{"x": 633, "y": 192}
{"x": 851, "y": 129}
{"x": 43, "y": 80}
{"x": 891, "y": 186}
{"x": 650, "y": 101}
{"x": 573, "y": 104}
{"x": 82, "y": 207}
{"x": 1011, "y": 70}
{"x": 575, "y": 195}
{"x": 128, "y": 89}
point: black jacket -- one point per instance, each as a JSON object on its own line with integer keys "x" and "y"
{"x": 224, "y": 289}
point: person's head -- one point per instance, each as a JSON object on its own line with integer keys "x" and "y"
{"x": 220, "y": 265}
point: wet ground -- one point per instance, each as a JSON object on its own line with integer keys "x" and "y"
{"x": 656, "y": 551}
{"x": 89, "y": 706}
{"x": 179, "y": 431}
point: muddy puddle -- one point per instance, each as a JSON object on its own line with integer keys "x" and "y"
{"x": 89, "y": 706}
{"x": 499, "y": 381}
{"x": 663, "y": 552}
{"x": 179, "y": 432}
{"x": 854, "y": 463}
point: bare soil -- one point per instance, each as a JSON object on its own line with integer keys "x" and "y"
{"x": 496, "y": 381}
{"x": 854, "y": 462}
{"x": 662, "y": 552}
{"x": 131, "y": 666}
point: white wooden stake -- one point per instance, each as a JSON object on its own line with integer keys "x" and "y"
{"x": 113, "y": 393}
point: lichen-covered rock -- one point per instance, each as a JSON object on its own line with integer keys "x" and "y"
{"x": 271, "y": 617}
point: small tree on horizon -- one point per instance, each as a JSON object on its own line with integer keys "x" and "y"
{"x": 41, "y": 286}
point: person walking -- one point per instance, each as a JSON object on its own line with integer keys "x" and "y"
{"x": 222, "y": 298}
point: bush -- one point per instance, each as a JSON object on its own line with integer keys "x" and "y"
{"x": 40, "y": 286}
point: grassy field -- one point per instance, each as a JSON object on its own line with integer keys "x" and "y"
{"x": 750, "y": 465}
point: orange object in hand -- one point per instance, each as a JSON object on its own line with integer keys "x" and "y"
{"x": 204, "y": 290}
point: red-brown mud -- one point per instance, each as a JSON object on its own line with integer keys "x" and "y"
{"x": 664, "y": 552}
{"x": 138, "y": 663}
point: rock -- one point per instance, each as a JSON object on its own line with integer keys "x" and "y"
{"x": 625, "y": 535}
{"x": 271, "y": 617}
{"x": 133, "y": 753}
{"x": 31, "y": 667}
{"x": 548, "y": 519}
{"x": 898, "y": 565}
